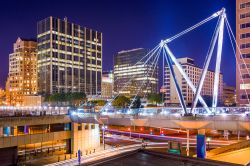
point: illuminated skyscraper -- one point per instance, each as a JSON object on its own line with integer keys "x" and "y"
{"x": 69, "y": 57}
{"x": 132, "y": 78}
{"x": 107, "y": 84}
{"x": 243, "y": 62}
{"x": 22, "y": 79}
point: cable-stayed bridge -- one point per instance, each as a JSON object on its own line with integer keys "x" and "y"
{"x": 163, "y": 50}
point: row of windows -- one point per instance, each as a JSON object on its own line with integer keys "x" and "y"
{"x": 245, "y": 25}
{"x": 244, "y": 35}
{"x": 245, "y": 5}
{"x": 245, "y": 96}
{"x": 243, "y": 66}
{"x": 65, "y": 48}
{"x": 67, "y": 56}
{"x": 244, "y": 56}
{"x": 246, "y": 45}
{"x": 245, "y": 76}
{"x": 86, "y": 127}
{"x": 245, "y": 15}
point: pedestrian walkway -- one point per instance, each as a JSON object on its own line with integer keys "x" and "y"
{"x": 60, "y": 156}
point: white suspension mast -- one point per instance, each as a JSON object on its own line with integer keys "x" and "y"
{"x": 177, "y": 87}
{"x": 207, "y": 61}
{"x": 218, "y": 63}
{"x": 193, "y": 27}
{"x": 183, "y": 73}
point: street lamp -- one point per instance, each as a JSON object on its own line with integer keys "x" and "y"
{"x": 151, "y": 131}
{"x": 208, "y": 140}
{"x": 162, "y": 133}
{"x": 103, "y": 135}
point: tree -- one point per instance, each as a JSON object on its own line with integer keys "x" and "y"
{"x": 121, "y": 101}
{"x": 155, "y": 98}
{"x": 57, "y": 97}
{"x": 137, "y": 102}
{"x": 99, "y": 102}
{"x": 76, "y": 98}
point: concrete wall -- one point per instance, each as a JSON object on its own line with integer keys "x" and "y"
{"x": 85, "y": 139}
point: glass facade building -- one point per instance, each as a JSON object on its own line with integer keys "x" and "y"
{"x": 69, "y": 57}
{"x": 107, "y": 84}
{"x": 132, "y": 78}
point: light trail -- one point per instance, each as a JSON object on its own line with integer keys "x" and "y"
{"x": 215, "y": 142}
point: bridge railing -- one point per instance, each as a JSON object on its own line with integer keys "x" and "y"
{"x": 8, "y": 111}
{"x": 227, "y": 113}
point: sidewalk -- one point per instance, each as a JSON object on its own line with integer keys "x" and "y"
{"x": 58, "y": 156}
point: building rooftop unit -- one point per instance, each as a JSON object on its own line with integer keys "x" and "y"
{"x": 126, "y": 51}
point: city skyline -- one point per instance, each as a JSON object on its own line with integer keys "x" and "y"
{"x": 125, "y": 82}
{"x": 151, "y": 14}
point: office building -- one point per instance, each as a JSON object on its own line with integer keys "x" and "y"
{"x": 22, "y": 78}
{"x": 107, "y": 84}
{"x": 2, "y": 97}
{"x": 193, "y": 72}
{"x": 69, "y": 57}
{"x": 132, "y": 78}
{"x": 243, "y": 61}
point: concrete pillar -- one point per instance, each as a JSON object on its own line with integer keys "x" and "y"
{"x": 187, "y": 142}
{"x": 15, "y": 131}
{"x": 1, "y": 131}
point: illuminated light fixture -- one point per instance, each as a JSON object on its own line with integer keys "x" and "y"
{"x": 224, "y": 114}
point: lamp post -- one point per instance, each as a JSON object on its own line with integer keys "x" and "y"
{"x": 187, "y": 143}
{"x": 103, "y": 135}
{"x": 208, "y": 140}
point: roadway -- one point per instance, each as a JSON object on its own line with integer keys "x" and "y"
{"x": 137, "y": 137}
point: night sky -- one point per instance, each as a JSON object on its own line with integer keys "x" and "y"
{"x": 125, "y": 24}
